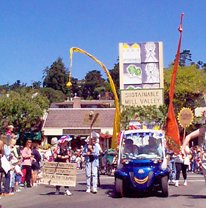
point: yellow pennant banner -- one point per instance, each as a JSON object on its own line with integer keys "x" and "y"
{"x": 116, "y": 125}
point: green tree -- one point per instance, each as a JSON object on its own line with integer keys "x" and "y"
{"x": 144, "y": 114}
{"x": 76, "y": 88}
{"x": 115, "y": 76}
{"x": 185, "y": 58}
{"x": 93, "y": 80}
{"x": 53, "y": 95}
{"x": 36, "y": 85}
{"x": 23, "y": 109}
{"x": 201, "y": 65}
{"x": 56, "y": 76}
{"x": 17, "y": 86}
{"x": 189, "y": 87}
{"x": 4, "y": 88}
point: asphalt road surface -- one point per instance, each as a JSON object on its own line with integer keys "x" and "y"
{"x": 193, "y": 195}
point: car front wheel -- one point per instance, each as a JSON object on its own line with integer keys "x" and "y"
{"x": 119, "y": 187}
{"x": 164, "y": 185}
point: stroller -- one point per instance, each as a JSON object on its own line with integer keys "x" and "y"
{"x": 108, "y": 162}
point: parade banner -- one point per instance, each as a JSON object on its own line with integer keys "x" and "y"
{"x": 141, "y": 68}
{"x": 59, "y": 174}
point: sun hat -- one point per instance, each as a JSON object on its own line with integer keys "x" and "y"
{"x": 87, "y": 139}
{"x": 10, "y": 127}
{"x": 94, "y": 135}
{"x": 64, "y": 138}
{"x": 54, "y": 140}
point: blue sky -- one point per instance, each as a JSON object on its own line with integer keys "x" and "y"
{"x": 34, "y": 33}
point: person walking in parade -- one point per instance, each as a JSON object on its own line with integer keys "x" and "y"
{"x": 181, "y": 164}
{"x": 91, "y": 154}
{"x": 62, "y": 154}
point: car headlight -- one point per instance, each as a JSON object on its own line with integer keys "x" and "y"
{"x": 125, "y": 161}
{"x": 164, "y": 164}
{"x": 156, "y": 161}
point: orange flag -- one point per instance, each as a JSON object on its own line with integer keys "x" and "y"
{"x": 172, "y": 130}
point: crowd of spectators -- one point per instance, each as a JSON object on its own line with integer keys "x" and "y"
{"x": 21, "y": 166}
{"x": 191, "y": 162}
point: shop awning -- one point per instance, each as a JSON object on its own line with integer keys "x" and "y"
{"x": 105, "y": 136}
{"x": 36, "y": 136}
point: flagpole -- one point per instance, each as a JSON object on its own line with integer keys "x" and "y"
{"x": 172, "y": 130}
{"x": 174, "y": 74}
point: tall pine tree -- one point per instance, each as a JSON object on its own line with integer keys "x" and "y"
{"x": 55, "y": 77}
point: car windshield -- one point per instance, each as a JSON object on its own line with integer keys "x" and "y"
{"x": 142, "y": 145}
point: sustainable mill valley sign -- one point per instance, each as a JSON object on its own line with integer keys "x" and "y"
{"x": 142, "y": 97}
{"x": 141, "y": 73}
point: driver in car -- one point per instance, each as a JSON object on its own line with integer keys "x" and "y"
{"x": 153, "y": 146}
{"x": 128, "y": 147}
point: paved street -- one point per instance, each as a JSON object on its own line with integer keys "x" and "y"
{"x": 193, "y": 195}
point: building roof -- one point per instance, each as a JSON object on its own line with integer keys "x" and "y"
{"x": 89, "y": 103}
{"x": 79, "y": 117}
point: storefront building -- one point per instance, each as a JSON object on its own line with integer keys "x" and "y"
{"x": 76, "y": 117}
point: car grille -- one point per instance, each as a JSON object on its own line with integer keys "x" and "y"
{"x": 141, "y": 180}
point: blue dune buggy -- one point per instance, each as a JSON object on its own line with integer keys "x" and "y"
{"x": 142, "y": 165}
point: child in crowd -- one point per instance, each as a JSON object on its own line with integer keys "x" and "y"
{"x": 73, "y": 158}
{"x": 18, "y": 175}
{"x": 78, "y": 161}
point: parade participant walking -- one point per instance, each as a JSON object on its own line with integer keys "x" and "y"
{"x": 62, "y": 154}
{"x": 171, "y": 166}
{"x": 181, "y": 164}
{"x": 91, "y": 154}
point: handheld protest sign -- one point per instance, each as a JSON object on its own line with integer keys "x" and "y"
{"x": 59, "y": 174}
{"x": 185, "y": 118}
